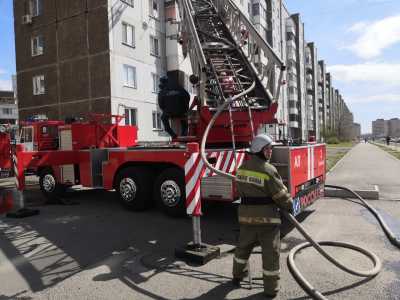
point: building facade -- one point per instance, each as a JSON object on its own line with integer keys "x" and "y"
{"x": 8, "y": 108}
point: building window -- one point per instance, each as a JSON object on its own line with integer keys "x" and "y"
{"x": 156, "y": 80}
{"x": 7, "y": 111}
{"x": 157, "y": 124}
{"x": 128, "y": 35}
{"x": 130, "y": 76}
{"x": 36, "y": 7}
{"x": 256, "y": 9}
{"x": 153, "y": 8}
{"x": 129, "y": 2}
{"x": 37, "y": 45}
{"x": 131, "y": 116}
{"x": 38, "y": 85}
{"x": 154, "y": 46}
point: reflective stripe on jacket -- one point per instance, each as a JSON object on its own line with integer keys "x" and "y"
{"x": 257, "y": 178}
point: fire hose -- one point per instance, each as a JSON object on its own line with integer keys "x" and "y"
{"x": 315, "y": 294}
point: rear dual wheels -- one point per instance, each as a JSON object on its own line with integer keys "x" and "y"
{"x": 169, "y": 192}
{"x": 133, "y": 186}
{"x": 137, "y": 191}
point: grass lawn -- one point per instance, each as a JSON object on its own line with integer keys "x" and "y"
{"x": 343, "y": 144}
{"x": 334, "y": 152}
{"x": 395, "y": 153}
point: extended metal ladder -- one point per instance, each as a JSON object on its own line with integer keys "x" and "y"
{"x": 214, "y": 32}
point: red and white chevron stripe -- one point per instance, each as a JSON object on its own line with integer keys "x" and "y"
{"x": 195, "y": 170}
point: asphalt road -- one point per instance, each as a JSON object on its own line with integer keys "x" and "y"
{"x": 97, "y": 250}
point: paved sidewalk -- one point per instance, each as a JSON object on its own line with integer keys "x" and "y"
{"x": 365, "y": 166}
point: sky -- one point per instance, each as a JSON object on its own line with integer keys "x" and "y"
{"x": 360, "y": 43}
{"x": 358, "y": 39}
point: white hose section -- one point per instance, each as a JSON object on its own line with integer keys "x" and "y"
{"x": 209, "y": 126}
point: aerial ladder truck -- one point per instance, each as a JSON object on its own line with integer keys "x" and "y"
{"x": 237, "y": 90}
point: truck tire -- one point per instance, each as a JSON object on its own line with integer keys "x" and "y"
{"x": 169, "y": 192}
{"x": 133, "y": 186}
{"x": 51, "y": 189}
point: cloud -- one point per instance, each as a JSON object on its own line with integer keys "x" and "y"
{"x": 358, "y": 27}
{"x": 2, "y": 72}
{"x": 5, "y": 85}
{"x": 374, "y": 37}
{"x": 368, "y": 72}
{"x": 377, "y": 99}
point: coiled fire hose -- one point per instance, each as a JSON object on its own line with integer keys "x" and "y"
{"x": 315, "y": 294}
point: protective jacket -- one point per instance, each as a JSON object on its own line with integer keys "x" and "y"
{"x": 260, "y": 184}
{"x": 174, "y": 101}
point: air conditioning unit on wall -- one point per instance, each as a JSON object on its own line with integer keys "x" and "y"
{"x": 26, "y": 19}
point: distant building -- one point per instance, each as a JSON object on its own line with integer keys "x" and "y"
{"x": 8, "y": 108}
{"x": 356, "y": 130}
{"x": 394, "y": 127}
{"x": 380, "y": 128}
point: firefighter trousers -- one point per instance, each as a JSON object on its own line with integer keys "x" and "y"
{"x": 268, "y": 236}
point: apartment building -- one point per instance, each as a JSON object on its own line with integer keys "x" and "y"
{"x": 383, "y": 128}
{"x": 322, "y": 97}
{"x": 311, "y": 62}
{"x": 8, "y": 108}
{"x": 80, "y": 56}
{"x": 394, "y": 127}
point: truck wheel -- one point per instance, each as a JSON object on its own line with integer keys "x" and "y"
{"x": 169, "y": 192}
{"x": 132, "y": 185}
{"x": 49, "y": 186}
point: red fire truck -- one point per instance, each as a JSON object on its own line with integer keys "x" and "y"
{"x": 101, "y": 153}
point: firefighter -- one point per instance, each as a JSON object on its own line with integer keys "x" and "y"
{"x": 174, "y": 103}
{"x": 262, "y": 194}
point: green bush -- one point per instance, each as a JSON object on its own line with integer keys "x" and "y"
{"x": 333, "y": 140}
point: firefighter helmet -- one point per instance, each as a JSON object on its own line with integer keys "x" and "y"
{"x": 259, "y": 142}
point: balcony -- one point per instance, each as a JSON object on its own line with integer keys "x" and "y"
{"x": 294, "y": 124}
{"x": 291, "y": 44}
{"x": 292, "y": 82}
{"x": 290, "y": 28}
{"x": 292, "y": 70}
{"x": 293, "y": 111}
{"x": 309, "y": 85}
{"x": 291, "y": 54}
{"x": 292, "y": 97}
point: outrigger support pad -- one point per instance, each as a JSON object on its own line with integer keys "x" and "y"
{"x": 20, "y": 211}
{"x": 23, "y": 213}
{"x": 197, "y": 252}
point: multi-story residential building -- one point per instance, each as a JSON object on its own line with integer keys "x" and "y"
{"x": 346, "y": 124}
{"x": 311, "y": 63}
{"x": 8, "y": 108}
{"x": 322, "y": 98}
{"x": 298, "y": 122}
{"x": 394, "y": 127}
{"x": 380, "y": 128}
{"x": 356, "y": 130}
{"x": 81, "y": 56}
{"x": 328, "y": 97}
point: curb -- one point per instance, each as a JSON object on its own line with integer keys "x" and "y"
{"x": 366, "y": 194}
